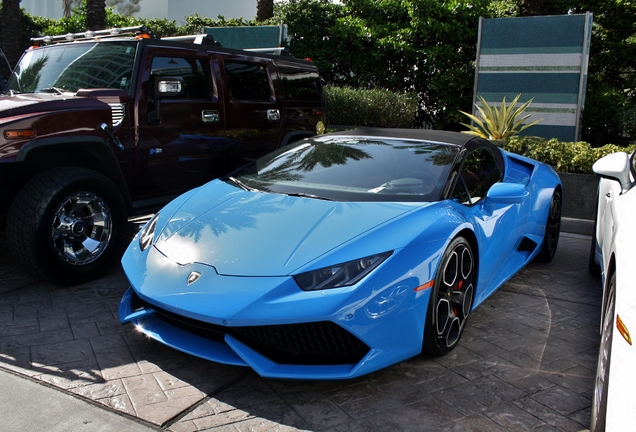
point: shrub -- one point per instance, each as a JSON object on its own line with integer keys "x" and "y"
{"x": 372, "y": 108}
{"x": 501, "y": 122}
{"x": 566, "y": 157}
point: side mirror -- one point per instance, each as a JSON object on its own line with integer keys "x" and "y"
{"x": 164, "y": 87}
{"x": 168, "y": 87}
{"x": 615, "y": 166}
{"x": 507, "y": 193}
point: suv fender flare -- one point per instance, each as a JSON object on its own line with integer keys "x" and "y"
{"x": 101, "y": 156}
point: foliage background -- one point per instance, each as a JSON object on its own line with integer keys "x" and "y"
{"x": 425, "y": 48}
{"x": 565, "y": 157}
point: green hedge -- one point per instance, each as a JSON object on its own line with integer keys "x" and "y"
{"x": 566, "y": 157}
{"x": 371, "y": 108}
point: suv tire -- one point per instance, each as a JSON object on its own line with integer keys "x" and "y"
{"x": 64, "y": 225}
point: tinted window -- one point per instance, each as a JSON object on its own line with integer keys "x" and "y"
{"x": 195, "y": 74}
{"x": 301, "y": 85}
{"x": 247, "y": 81}
{"x": 479, "y": 172}
{"x": 355, "y": 169}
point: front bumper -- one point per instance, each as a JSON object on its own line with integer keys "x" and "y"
{"x": 320, "y": 350}
{"x": 270, "y": 325}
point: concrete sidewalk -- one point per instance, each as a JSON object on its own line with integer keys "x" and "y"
{"x": 30, "y": 406}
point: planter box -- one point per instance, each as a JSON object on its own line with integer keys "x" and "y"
{"x": 579, "y": 195}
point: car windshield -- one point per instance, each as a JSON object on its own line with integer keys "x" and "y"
{"x": 68, "y": 67}
{"x": 353, "y": 168}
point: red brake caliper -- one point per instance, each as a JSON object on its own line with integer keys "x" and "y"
{"x": 458, "y": 287}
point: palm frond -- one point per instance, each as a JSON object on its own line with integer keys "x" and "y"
{"x": 501, "y": 122}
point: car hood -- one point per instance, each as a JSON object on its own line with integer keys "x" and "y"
{"x": 243, "y": 233}
{"x": 31, "y": 103}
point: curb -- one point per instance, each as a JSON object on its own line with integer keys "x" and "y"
{"x": 577, "y": 226}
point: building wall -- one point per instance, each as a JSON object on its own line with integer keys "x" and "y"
{"x": 175, "y": 10}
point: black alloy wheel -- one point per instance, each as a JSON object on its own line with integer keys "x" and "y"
{"x": 552, "y": 229}
{"x": 451, "y": 299}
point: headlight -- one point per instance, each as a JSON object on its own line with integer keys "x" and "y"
{"x": 147, "y": 234}
{"x": 340, "y": 275}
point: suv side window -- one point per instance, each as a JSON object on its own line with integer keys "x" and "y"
{"x": 479, "y": 173}
{"x": 195, "y": 74}
{"x": 301, "y": 85}
{"x": 248, "y": 81}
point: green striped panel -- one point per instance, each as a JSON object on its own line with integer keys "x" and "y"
{"x": 560, "y": 83}
{"x": 533, "y": 61}
{"x": 533, "y": 50}
{"x": 534, "y": 34}
{"x": 562, "y": 133}
{"x": 541, "y": 58}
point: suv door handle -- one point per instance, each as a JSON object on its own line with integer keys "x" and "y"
{"x": 210, "y": 116}
{"x": 273, "y": 115}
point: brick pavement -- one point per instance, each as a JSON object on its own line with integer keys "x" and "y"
{"x": 525, "y": 362}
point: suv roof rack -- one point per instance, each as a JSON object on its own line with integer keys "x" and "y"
{"x": 201, "y": 39}
{"x": 281, "y": 51}
{"x": 144, "y": 32}
{"x": 137, "y": 31}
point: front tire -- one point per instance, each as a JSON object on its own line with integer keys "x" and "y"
{"x": 64, "y": 225}
{"x": 599, "y": 403}
{"x": 451, "y": 299}
{"x": 552, "y": 229}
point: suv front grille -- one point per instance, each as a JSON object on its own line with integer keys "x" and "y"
{"x": 118, "y": 113}
{"x": 314, "y": 343}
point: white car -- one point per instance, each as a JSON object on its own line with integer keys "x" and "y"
{"x": 612, "y": 254}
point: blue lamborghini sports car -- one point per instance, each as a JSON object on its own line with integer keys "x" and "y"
{"x": 341, "y": 254}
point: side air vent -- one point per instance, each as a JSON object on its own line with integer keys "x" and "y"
{"x": 118, "y": 112}
{"x": 526, "y": 245}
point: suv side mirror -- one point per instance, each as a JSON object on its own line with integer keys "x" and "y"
{"x": 164, "y": 87}
{"x": 168, "y": 87}
{"x": 615, "y": 166}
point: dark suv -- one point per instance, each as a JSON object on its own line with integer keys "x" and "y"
{"x": 107, "y": 126}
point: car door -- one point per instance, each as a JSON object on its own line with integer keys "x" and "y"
{"x": 181, "y": 137}
{"x": 608, "y": 193}
{"x": 498, "y": 226}
{"x": 254, "y": 110}
{"x": 612, "y": 196}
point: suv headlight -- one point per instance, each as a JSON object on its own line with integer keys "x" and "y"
{"x": 341, "y": 275}
{"x": 147, "y": 234}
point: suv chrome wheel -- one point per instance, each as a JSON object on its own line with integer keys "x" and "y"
{"x": 82, "y": 228}
{"x": 65, "y": 224}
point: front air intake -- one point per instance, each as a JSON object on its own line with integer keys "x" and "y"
{"x": 314, "y": 343}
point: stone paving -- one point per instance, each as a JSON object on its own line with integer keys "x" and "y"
{"x": 525, "y": 362}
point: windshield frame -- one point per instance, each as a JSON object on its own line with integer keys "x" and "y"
{"x": 60, "y": 77}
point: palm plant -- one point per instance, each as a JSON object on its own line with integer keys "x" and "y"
{"x": 264, "y": 10}
{"x": 498, "y": 123}
{"x": 95, "y": 14}
{"x": 11, "y": 24}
